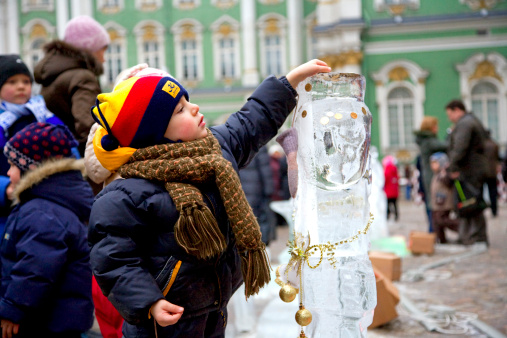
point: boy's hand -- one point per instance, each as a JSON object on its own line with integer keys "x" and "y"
{"x": 166, "y": 313}
{"x": 9, "y": 328}
{"x": 305, "y": 70}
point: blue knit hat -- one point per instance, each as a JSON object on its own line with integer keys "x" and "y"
{"x": 137, "y": 112}
{"x": 37, "y": 142}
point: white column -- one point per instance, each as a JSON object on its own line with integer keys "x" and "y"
{"x": 296, "y": 22}
{"x": 248, "y": 36}
{"x": 11, "y": 33}
{"x": 3, "y": 28}
{"x": 62, "y": 16}
{"x": 81, "y": 7}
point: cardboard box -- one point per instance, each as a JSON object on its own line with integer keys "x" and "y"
{"x": 387, "y": 298}
{"x": 388, "y": 263}
{"x": 421, "y": 242}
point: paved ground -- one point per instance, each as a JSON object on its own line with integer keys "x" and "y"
{"x": 467, "y": 283}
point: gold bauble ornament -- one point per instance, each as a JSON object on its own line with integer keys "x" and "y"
{"x": 303, "y": 316}
{"x": 288, "y": 293}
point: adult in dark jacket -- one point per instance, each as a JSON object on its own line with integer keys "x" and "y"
{"x": 45, "y": 267}
{"x": 257, "y": 182}
{"x": 492, "y": 153}
{"x": 137, "y": 257}
{"x": 468, "y": 163}
{"x": 69, "y": 74}
{"x": 428, "y": 142}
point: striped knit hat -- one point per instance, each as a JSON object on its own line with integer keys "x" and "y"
{"x": 37, "y": 142}
{"x": 137, "y": 112}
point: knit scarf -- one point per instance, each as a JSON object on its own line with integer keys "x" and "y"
{"x": 180, "y": 166}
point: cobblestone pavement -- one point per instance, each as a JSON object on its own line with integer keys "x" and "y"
{"x": 468, "y": 283}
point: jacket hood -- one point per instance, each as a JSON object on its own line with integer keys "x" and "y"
{"x": 60, "y": 181}
{"x": 60, "y": 57}
{"x": 421, "y": 135}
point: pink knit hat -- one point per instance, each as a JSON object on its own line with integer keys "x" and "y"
{"x": 86, "y": 33}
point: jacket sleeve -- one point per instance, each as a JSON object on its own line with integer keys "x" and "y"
{"x": 115, "y": 223}
{"x": 95, "y": 171}
{"x": 460, "y": 143}
{"x": 84, "y": 91}
{"x": 41, "y": 255}
{"x": 258, "y": 121}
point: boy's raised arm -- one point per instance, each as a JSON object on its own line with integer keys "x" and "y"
{"x": 305, "y": 70}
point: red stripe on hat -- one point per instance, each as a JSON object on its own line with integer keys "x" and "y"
{"x": 133, "y": 109}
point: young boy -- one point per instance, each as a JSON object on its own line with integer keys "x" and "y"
{"x": 17, "y": 110}
{"x": 44, "y": 254}
{"x": 173, "y": 240}
{"x": 442, "y": 197}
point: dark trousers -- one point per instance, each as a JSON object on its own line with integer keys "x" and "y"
{"x": 394, "y": 203}
{"x": 473, "y": 229}
{"x": 442, "y": 221}
{"x": 493, "y": 194}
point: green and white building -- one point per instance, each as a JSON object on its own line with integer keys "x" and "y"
{"x": 416, "y": 55}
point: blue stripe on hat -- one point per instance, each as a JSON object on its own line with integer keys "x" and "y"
{"x": 157, "y": 115}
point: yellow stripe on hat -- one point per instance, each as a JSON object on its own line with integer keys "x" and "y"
{"x": 111, "y": 160}
{"x": 111, "y": 103}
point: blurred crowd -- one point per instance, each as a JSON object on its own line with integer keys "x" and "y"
{"x": 456, "y": 178}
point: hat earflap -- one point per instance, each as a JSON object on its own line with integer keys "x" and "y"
{"x": 108, "y": 141}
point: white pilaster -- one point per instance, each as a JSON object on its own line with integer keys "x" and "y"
{"x": 295, "y": 18}
{"x": 81, "y": 7}
{"x": 10, "y": 27}
{"x": 250, "y": 70}
{"x": 62, "y": 16}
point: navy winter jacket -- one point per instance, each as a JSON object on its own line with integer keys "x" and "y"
{"x": 134, "y": 256}
{"x": 45, "y": 263}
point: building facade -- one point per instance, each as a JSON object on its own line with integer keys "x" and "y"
{"x": 415, "y": 55}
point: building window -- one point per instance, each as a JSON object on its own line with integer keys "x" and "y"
{"x": 395, "y": 7}
{"x": 186, "y": 4}
{"x": 116, "y": 53}
{"x": 224, "y": 4}
{"x": 148, "y": 5}
{"x": 400, "y": 110}
{"x": 485, "y": 98}
{"x": 188, "y": 50}
{"x": 189, "y": 56}
{"x": 37, "y": 5}
{"x": 110, "y": 6}
{"x": 272, "y": 34}
{"x": 400, "y": 95}
{"x": 226, "y": 48}
{"x": 150, "y": 44}
{"x": 36, "y": 33}
{"x": 483, "y": 86}
{"x": 270, "y": 2}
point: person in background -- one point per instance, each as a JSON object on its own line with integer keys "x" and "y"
{"x": 257, "y": 182}
{"x": 69, "y": 71}
{"x": 428, "y": 143}
{"x": 492, "y": 152}
{"x": 391, "y": 185}
{"x": 17, "y": 110}
{"x": 173, "y": 238}
{"x": 442, "y": 197}
{"x": 468, "y": 163}
{"x": 278, "y": 164}
{"x": 44, "y": 254}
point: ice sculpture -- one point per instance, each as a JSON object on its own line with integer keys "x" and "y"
{"x": 329, "y": 265}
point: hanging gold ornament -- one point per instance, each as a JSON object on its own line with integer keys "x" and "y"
{"x": 288, "y": 293}
{"x": 303, "y": 316}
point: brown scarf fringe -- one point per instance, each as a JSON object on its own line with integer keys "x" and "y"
{"x": 180, "y": 165}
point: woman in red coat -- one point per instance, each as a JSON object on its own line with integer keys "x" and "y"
{"x": 391, "y": 184}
